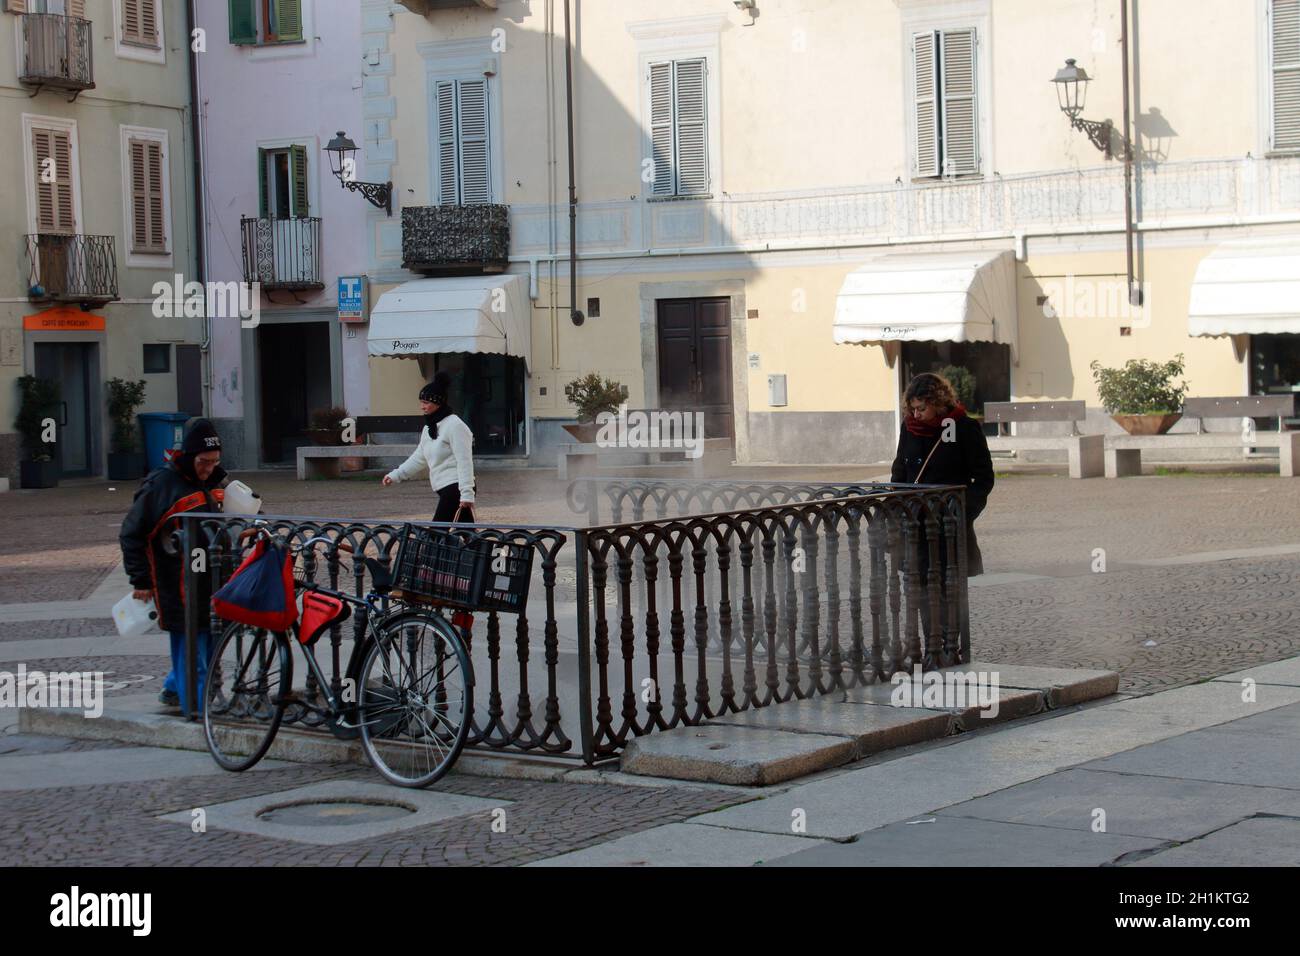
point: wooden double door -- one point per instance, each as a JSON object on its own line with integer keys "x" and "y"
{"x": 694, "y": 340}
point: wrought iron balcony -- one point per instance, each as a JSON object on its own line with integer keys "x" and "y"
{"x": 71, "y": 268}
{"x": 56, "y": 52}
{"x": 283, "y": 254}
{"x": 425, "y": 7}
{"x": 444, "y": 239}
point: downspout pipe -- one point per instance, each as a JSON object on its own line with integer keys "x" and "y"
{"x": 1134, "y": 293}
{"x": 574, "y": 314}
{"x": 200, "y": 223}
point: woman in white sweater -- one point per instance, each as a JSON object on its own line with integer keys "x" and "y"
{"x": 445, "y": 452}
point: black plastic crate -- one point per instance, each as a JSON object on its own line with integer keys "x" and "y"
{"x": 446, "y": 566}
{"x": 507, "y": 589}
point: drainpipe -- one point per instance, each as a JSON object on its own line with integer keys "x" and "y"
{"x": 200, "y": 225}
{"x": 1134, "y": 293}
{"x": 574, "y": 314}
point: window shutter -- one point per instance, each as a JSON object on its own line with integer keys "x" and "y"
{"x": 447, "y": 178}
{"x": 131, "y": 29}
{"x": 692, "y": 133}
{"x": 148, "y": 21}
{"x": 155, "y": 170}
{"x": 139, "y": 196}
{"x": 54, "y": 208}
{"x": 263, "y": 193}
{"x": 16, "y": 6}
{"x": 298, "y": 190}
{"x": 76, "y": 8}
{"x": 243, "y": 22}
{"x": 926, "y": 114}
{"x": 288, "y": 19}
{"x": 960, "y": 120}
{"x": 1286, "y": 74}
{"x": 661, "y": 128}
{"x": 472, "y": 117}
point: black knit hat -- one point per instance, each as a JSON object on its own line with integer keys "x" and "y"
{"x": 436, "y": 391}
{"x": 200, "y": 436}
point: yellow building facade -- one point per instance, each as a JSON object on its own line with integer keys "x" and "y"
{"x": 784, "y": 212}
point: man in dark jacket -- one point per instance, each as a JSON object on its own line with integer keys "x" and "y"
{"x": 189, "y": 482}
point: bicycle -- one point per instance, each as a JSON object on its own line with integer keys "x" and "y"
{"x": 410, "y": 680}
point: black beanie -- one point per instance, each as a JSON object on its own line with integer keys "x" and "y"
{"x": 200, "y": 437}
{"x": 436, "y": 391}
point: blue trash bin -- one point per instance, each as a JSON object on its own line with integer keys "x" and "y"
{"x": 162, "y": 432}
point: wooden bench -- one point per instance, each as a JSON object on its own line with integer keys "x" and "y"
{"x": 1085, "y": 452}
{"x": 1124, "y": 452}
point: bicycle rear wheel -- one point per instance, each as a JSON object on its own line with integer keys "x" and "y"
{"x": 249, "y": 674}
{"x": 416, "y": 699}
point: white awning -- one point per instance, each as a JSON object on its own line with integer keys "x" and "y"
{"x": 485, "y": 314}
{"x": 939, "y": 297}
{"x": 1247, "y": 287}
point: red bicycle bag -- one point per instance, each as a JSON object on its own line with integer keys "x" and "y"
{"x": 319, "y": 612}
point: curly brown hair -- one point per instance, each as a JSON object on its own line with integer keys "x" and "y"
{"x": 931, "y": 388}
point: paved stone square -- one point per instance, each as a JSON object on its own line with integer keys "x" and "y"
{"x": 1170, "y": 581}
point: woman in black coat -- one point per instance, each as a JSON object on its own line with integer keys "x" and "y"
{"x": 932, "y": 452}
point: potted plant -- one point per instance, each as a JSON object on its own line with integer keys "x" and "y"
{"x": 126, "y": 461}
{"x": 326, "y": 429}
{"x": 39, "y": 401}
{"x": 591, "y": 395}
{"x": 963, "y": 383}
{"x": 1141, "y": 396}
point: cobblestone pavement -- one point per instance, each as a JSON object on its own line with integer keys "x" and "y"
{"x": 123, "y": 673}
{"x": 67, "y": 627}
{"x": 116, "y": 823}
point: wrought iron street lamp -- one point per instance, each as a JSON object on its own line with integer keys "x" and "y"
{"x": 344, "y": 165}
{"x": 1071, "y": 92}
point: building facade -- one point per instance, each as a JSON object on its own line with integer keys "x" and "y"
{"x": 785, "y": 212}
{"x": 278, "y": 80}
{"x": 95, "y": 107}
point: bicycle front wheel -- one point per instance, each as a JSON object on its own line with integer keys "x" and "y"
{"x": 248, "y": 676}
{"x": 416, "y": 699}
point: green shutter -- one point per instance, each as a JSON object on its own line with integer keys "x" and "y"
{"x": 298, "y": 170}
{"x": 243, "y": 22}
{"x": 288, "y": 19}
{"x": 263, "y": 211}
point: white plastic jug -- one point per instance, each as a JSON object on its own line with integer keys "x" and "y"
{"x": 241, "y": 500}
{"x": 134, "y": 618}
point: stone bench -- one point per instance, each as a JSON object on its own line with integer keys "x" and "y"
{"x": 1085, "y": 452}
{"x": 575, "y": 459}
{"x": 312, "y": 457}
{"x": 1124, "y": 452}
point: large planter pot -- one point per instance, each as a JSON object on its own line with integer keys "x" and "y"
{"x": 1147, "y": 424}
{"x": 126, "y": 465}
{"x": 352, "y": 463}
{"x": 326, "y": 438}
{"x": 39, "y": 474}
{"x": 583, "y": 431}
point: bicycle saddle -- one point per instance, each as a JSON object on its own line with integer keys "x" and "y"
{"x": 381, "y": 575}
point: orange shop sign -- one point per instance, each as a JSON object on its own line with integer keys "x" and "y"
{"x": 63, "y": 320}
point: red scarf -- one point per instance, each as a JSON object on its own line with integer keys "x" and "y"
{"x": 930, "y": 429}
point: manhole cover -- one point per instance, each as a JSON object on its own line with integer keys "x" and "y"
{"x": 334, "y": 813}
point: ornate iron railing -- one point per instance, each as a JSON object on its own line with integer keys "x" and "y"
{"x": 56, "y": 51}
{"x": 71, "y": 268}
{"x": 751, "y": 595}
{"x": 283, "y": 254}
{"x": 449, "y": 238}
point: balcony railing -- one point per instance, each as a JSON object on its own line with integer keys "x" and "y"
{"x": 442, "y": 239}
{"x": 282, "y": 254}
{"x": 71, "y": 268}
{"x": 56, "y": 51}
